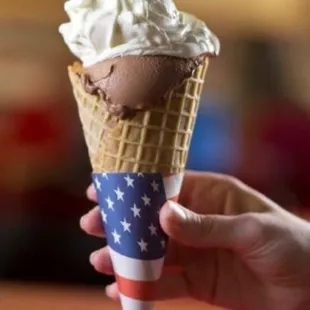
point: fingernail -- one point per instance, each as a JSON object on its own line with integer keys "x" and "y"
{"x": 176, "y": 208}
{"x": 93, "y": 257}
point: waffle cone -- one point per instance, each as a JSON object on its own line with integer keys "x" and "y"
{"x": 156, "y": 140}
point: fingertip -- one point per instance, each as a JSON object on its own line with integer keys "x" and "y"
{"x": 92, "y": 223}
{"x": 170, "y": 219}
{"x": 166, "y": 211}
{"x": 84, "y": 223}
{"x": 101, "y": 261}
{"x": 94, "y": 258}
{"x": 164, "y": 215}
{"x": 112, "y": 292}
{"x": 91, "y": 193}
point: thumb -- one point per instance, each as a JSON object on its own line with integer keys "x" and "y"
{"x": 194, "y": 230}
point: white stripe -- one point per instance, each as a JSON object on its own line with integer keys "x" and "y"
{"x": 173, "y": 185}
{"x": 134, "y": 269}
{"x": 132, "y": 304}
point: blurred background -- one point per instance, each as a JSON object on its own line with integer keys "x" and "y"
{"x": 254, "y": 123}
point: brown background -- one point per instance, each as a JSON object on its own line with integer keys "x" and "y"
{"x": 259, "y": 85}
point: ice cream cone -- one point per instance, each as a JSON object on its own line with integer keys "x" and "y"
{"x": 137, "y": 121}
{"x": 138, "y": 165}
{"x": 156, "y": 140}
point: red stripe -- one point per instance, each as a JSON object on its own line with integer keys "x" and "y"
{"x": 139, "y": 290}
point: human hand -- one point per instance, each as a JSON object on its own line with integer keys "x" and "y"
{"x": 231, "y": 247}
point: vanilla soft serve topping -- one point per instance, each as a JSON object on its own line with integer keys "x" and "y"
{"x": 104, "y": 29}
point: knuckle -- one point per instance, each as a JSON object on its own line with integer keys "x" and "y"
{"x": 231, "y": 182}
{"x": 231, "y": 185}
{"x": 252, "y": 228}
{"x": 198, "y": 224}
{"x": 205, "y": 229}
{"x": 207, "y": 225}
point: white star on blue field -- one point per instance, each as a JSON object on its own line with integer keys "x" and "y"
{"x": 130, "y": 205}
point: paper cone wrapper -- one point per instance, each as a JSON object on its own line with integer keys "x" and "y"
{"x": 156, "y": 140}
{"x": 130, "y": 204}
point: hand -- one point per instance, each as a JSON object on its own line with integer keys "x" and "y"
{"x": 230, "y": 247}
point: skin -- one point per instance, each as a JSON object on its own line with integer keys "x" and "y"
{"x": 229, "y": 246}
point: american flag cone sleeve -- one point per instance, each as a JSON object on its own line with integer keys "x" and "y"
{"x": 130, "y": 204}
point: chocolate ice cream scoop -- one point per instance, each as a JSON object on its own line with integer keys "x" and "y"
{"x": 134, "y": 83}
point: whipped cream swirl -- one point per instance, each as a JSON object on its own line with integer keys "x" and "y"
{"x": 104, "y": 29}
